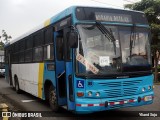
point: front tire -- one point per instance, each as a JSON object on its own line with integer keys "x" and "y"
{"x": 53, "y": 99}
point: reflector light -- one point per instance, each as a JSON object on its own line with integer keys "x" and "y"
{"x": 80, "y": 94}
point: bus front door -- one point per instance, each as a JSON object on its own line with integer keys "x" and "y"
{"x": 69, "y": 70}
{"x": 64, "y": 71}
{"x": 60, "y": 73}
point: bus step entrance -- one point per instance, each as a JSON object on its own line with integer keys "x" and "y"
{"x": 65, "y": 107}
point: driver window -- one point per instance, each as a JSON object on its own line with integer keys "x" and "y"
{"x": 59, "y": 48}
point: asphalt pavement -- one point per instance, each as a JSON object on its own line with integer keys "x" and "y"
{"x": 26, "y": 102}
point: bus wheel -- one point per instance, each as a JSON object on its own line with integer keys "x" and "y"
{"x": 17, "y": 85}
{"x": 53, "y": 99}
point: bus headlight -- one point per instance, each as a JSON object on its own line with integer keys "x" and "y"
{"x": 143, "y": 89}
{"x": 89, "y": 93}
{"x": 97, "y": 94}
{"x": 80, "y": 94}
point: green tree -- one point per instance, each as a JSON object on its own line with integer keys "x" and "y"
{"x": 151, "y": 8}
{"x": 4, "y": 39}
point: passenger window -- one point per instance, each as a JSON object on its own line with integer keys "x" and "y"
{"x": 48, "y": 52}
{"x": 48, "y": 36}
{"x": 29, "y": 43}
{"x": 16, "y": 47}
{"x": 28, "y": 55}
{"x": 38, "y": 39}
{"x": 21, "y": 45}
{"x": 38, "y": 54}
{"x": 21, "y": 57}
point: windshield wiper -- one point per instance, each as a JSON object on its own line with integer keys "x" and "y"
{"x": 108, "y": 34}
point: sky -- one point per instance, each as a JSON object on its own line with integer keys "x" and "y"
{"x": 19, "y": 16}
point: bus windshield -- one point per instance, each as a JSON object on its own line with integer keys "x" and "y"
{"x": 97, "y": 53}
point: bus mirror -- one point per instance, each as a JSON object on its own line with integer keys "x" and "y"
{"x": 73, "y": 39}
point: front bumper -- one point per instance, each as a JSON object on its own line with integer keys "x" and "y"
{"x": 88, "y": 105}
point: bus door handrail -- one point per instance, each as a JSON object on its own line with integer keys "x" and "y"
{"x": 61, "y": 74}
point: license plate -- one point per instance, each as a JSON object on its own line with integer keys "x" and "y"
{"x": 147, "y": 98}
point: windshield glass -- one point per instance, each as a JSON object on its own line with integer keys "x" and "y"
{"x": 98, "y": 50}
{"x": 98, "y": 54}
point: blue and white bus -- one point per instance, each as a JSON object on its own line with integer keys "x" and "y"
{"x": 85, "y": 59}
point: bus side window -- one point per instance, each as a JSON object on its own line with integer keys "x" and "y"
{"x": 48, "y": 52}
{"x": 38, "y": 54}
{"x": 59, "y": 48}
{"x": 48, "y": 48}
{"x": 28, "y": 51}
{"x": 38, "y": 39}
{"x": 28, "y": 55}
{"x": 48, "y": 33}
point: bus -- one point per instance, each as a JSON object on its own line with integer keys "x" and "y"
{"x": 85, "y": 59}
{"x": 2, "y": 67}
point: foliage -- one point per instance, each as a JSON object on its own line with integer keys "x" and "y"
{"x": 158, "y": 67}
{"x": 4, "y": 39}
{"x": 152, "y": 11}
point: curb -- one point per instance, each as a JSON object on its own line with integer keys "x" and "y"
{"x": 156, "y": 83}
{"x": 12, "y": 101}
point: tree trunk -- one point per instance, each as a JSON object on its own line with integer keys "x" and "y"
{"x": 156, "y": 59}
{"x": 156, "y": 71}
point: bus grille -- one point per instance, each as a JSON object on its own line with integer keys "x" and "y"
{"x": 119, "y": 89}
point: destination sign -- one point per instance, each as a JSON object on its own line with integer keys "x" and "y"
{"x": 62, "y": 24}
{"x": 112, "y": 17}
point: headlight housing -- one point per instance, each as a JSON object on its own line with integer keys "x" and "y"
{"x": 89, "y": 93}
{"x": 143, "y": 89}
{"x": 97, "y": 94}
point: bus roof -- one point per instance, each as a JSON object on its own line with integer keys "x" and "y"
{"x": 59, "y": 16}
{"x": 51, "y": 20}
